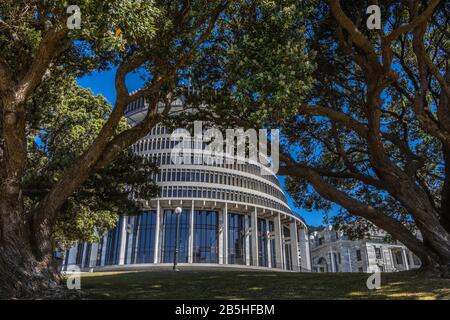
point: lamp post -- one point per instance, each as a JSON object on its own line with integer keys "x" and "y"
{"x": 178, "y": 211}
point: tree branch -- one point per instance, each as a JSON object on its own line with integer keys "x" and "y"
{"x": 340, "y": 117}
{"x": 86, "y": 164}
{"x": 355, "y": 35}
{"x": 292, "y": 167}
{"x": 48, "y": 48}
{"x": 414, "y": 23}
{"x": 397, "y": 230}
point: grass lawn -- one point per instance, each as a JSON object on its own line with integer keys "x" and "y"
{"x": 259, "y": 285}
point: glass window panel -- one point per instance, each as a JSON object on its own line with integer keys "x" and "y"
{"x": 236, "y": 239}
{"x": 168, "y": 234}
{"x": 113, "y": 244}
{"x": 206, "y": 226}
{"x": 143, "y": 247}
{"x": 262, "y": 244}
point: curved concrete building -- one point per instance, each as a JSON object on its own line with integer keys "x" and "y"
{"x": 232, "y": 215}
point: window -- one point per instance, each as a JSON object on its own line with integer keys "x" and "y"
{"x": 113, "y": 244}
{"x": 358, "y": 255}
{"x": 79, "y": 257}
{"x": 236, "y": 238}
{"x": 398, "y": 257}
{"x": 169, "y": 233}
{"x": 206, "y": 247}
{"x": 378, "y": 253}
{"x": 143, "y": 243}
{"x": 262, "y": 244}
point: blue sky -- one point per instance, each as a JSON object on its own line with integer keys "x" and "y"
{"x": 102, "y": 83}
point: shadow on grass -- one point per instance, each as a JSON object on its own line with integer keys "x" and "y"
{"x": 259, "y": 285}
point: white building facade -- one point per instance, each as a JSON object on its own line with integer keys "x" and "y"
{"x": 331, "y": 251}
{"x": 232, "y": 215}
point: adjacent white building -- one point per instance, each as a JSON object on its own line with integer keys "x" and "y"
{"x": 332, "y": 251}
{"x": 232, "y": 215}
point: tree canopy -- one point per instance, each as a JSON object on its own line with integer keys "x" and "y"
{"x": 363, "y": 113}
{"x": 37, "y": 44}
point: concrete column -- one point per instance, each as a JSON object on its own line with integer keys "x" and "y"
{"x": 220, "y": 238}
{"x": 103, "y": 257}
{"x": 83, "y": 256}
{"x": 247, "y": 240}
{"x": 130, "y": 234}
{"x": 349, "y": 260}
{"x": 225, "y": 234}
{"x": 333, "y": 263}
{"x": 93, "y": 256}
{"x": 254, "y": 222}
{"x": 294, "y": 246}
{"x": 394, "y": 262}
{"x": 157, "y": 232}
{"x": 268, "y": 245}
{"x": 123, "y": 240}
{"x": 405, "y": 259}
{"x": 191, "y": 234}
{"x": 304, "y": 249}
{"x": 411, "y": 259}
{"x": 283, "y": 249}
{"x": 278, "y": 242}
{"x": 72, "y": 255}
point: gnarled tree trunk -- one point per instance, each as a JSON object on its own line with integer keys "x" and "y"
{"x": 22, "y": 274}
